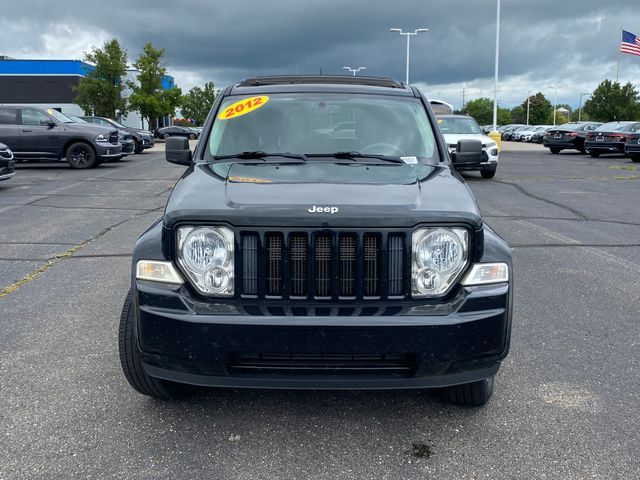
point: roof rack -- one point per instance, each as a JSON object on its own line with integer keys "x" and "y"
{"x": 321, "y": 79}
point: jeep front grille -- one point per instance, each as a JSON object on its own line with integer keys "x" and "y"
{"x": 324, "y": 264}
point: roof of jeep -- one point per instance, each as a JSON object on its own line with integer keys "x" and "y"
{"x": 321, "y": 83}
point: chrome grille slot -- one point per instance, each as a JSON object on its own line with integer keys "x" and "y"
{"x": 275, "y": 247}
{"x": 323, "y": 264}
{"x": 348, "y": 265}
{"x": 299, "y": 257}
{"x": 250, "y": 263}
{"x": 396, "y": 264}
{"x": 371, "y": 253}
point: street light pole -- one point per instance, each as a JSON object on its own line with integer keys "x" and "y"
{"x": 354, "y": 70}
{"x": 555, "y": 103}
{"x": 408, "y": 35}
{"x": 495, "y": 80}
{"x": 580, "y": 109}
{"x": 528, "y": 103}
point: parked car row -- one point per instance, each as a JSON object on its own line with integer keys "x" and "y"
{"x": 191, "y": 133}
{"x": 33, "y": 133}
{"x": 596, "y": 138}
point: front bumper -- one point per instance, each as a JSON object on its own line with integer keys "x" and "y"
{"x": 458, "y": 341}
{"x": 128, "y": 147}
{"x": 148, "y": 142}
{"x": 106, "y": 150}
{"x": 6, "y": 169}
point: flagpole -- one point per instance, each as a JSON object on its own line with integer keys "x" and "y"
{"x": 618, "y": 66}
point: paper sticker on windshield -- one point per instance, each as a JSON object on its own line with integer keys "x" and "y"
{"x": 248, "y": 180}
{"x": 242, "y": 107}
{"x": 409, "y": 160}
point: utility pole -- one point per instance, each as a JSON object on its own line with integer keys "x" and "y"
{"x": 463, "y": 99}
{"x": 580, "y": 109}
{"x": 528, "y": 103}
{"x": 408, "y": 35}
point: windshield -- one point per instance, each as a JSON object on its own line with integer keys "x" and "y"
{"x": 323, "y": 124}
{"x": 459, "y": 125}
{"x": 59, "y": 116}
{"x": 76, "y": 119}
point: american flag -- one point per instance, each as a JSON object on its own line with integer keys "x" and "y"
{"x": 630, "y": 43}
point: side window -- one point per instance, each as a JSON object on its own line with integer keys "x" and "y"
{"x": 104, "y": 123}
{"x": 31, "y": 116}
{"x": 8, "y": 116}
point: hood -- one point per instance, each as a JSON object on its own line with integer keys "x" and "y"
{"x": 87, "y": 127}
{"x": 452, "y": 139}
{"x": 289, "y": 194}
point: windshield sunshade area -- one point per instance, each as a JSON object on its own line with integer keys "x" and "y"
{"x": 323, "y": 124}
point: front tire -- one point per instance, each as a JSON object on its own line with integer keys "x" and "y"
{"x": 489, "y": 173}
{"x": 138, "y": 148}
{"x": 192, "y": 136}
{"x": 555, "y": 150}
{"x": 594, "y": 154}
{"x": 474, "y": 394}
{"x": 81, "y": 155}
{"x": 165, "y": 136}
{"x": 635, "y": 158}
{"x": 132, "y": 363}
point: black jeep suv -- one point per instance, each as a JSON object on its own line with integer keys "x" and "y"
{"x": 294, "y": 256}
{"x": 39, "y": 133}
{"x": 142, "y": 139}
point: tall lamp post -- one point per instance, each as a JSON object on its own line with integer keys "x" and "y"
{"x": 555, "y": 103}
{"x": 580, "y": 109}
{"x": 354, "y": 70}
{"x": 408, "y": 35}
{"x": 528, "y": 103}
{"x": 495, "y": 79}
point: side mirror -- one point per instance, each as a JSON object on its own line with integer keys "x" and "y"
{"x": 48, "y": 123}
{"x": 468, "y": 154}
{"x": 486, "y": 130}
{"x": 177, "y": 151}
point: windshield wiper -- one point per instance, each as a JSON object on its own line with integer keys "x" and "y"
{"x": 260, "y": 155}
{"x": 356, "y": 155}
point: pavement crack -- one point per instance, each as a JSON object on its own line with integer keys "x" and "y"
{"x": 542, "y": 199}
{"x": 30, "y": 277}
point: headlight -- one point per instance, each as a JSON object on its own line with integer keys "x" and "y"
{"x": 490, "y": 144}
{"x": 206, "y": 256}
{"x": 439, "y": 255}
{"x": 102, "y": 137}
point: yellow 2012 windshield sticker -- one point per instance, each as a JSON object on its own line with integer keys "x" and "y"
{"x": 242, "y": 107}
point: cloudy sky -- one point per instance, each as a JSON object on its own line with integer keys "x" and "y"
{"x": 544, "y": 43}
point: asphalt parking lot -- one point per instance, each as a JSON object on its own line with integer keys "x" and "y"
{"x": 566, "y": 403}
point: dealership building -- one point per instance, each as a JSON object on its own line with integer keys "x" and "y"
{"x": 50, "y": 84}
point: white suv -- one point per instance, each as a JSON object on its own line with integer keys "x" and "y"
{"x": 462, "y": 127}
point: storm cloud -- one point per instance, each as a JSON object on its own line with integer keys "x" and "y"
{"x": 545, "y": 44}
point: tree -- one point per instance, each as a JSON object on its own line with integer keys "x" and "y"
{"x": 481, "y": 109}
{"x": 100, "y": 91}
{"x": 504, "y": 116}
{"x": 148, "y": 95}
{"x": 612, "y": 101}
{"x": 197, "y": 103}
{"x": 539, "y": 109}
{"x": 519, "y": 114}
